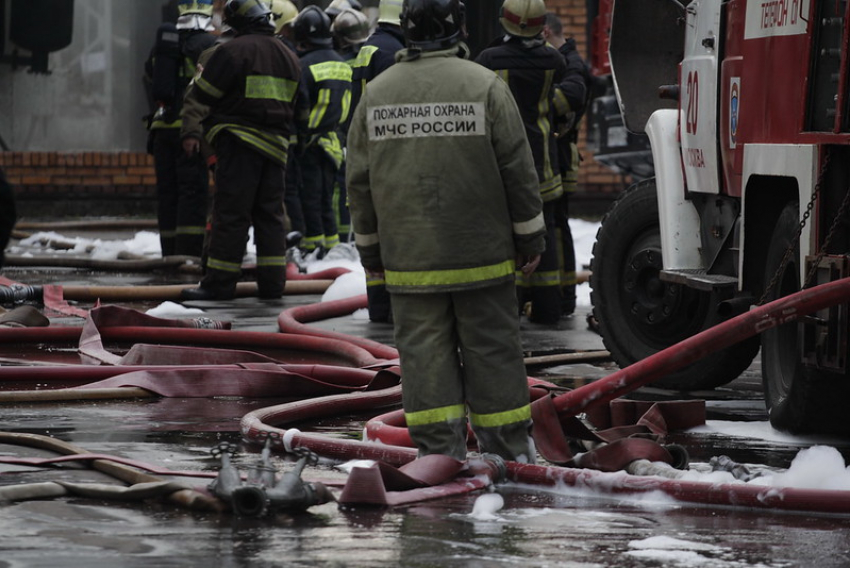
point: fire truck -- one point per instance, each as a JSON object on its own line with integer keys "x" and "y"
{"x": 746, "y": 105}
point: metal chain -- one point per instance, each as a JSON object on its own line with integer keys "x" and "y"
{"x": 842, "y": 210}
{"x": 789, "y": 252}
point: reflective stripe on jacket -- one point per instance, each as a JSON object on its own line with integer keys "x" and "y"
{"x": 250, "y": 84}
{"x": 324, "y": 100}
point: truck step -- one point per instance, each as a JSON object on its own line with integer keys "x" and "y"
{"x": 698, "y": 279}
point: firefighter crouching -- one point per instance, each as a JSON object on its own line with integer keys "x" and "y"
{"x": 182, "y": 180}
{"x": 444, "y": 201}
{"x": 250, "y": 84}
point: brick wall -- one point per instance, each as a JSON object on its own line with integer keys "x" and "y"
{"x": 78, "y": 183}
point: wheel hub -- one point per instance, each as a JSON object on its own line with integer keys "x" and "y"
{"x": 652, "y": 300}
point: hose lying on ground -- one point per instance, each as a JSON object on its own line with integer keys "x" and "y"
{"x": 261, "y": 424}
{"x": 182, "y": 496}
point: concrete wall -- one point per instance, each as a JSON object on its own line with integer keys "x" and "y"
{"x": 93, "y": 98}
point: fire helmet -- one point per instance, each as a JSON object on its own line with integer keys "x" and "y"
{"x": 351, "y": 27}
{"x": 239, "y": 14}
{"x": 389, "y": 12}
{"x": 313, "y": 26}
{"x": 523, "y": 18}
{"x": 430, "y": 25}
{"x": 192, "y": 7}
{"x": 337, "y": 6}
{"x": 283, "y": 12}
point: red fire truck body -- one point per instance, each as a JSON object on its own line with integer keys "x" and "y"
{"x": 746, "y": 105}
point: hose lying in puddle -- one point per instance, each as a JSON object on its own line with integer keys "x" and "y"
{"x": 259, "y": 426}
{"x": 180, "y": 495}
{"x": 262, "y": 423}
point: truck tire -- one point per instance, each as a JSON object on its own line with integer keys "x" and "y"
{"x": 799, "y": 399}
{"x": 639, "y": 314}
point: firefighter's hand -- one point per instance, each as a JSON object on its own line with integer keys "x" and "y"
{"x": 191, "y": 146}
{"x": 528, "y": 264}
{"x": 375, "y": 274}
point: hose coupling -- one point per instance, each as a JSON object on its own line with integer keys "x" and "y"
{"x": 20, "y": 293}
{"x": 261, "y": 493}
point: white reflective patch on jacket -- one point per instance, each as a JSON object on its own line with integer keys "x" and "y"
{"x": 366, "y": 240}
{"x": 531, "y": 226}
{"x": 390, "y": 122}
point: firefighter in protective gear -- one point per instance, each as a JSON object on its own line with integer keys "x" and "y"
{"x": 378, "y": 51}
{"x": 182, "y": 180}
{"x": 350, "y": 29}
{"x": 375, "y": 56}
{"x": 192, "y": 130}
{"x": 250, "y": 84}
{"x": 323, "y": 107}
{"x": 532, "y": 69}
{"x": 284, "y": 13}
{"x": 435, "y": 137}
{"x": 572, "y": 97}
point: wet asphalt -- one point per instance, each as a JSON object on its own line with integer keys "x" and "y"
{"x": 563, "y": 526}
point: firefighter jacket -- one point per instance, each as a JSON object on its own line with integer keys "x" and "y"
{"x": 376, "y": 55}
{"x": 324, "y": 100}
{"x": 441, "y": 180}
{"x": 251, "y": 83}
{"x": 571, "y": 100}
{"x": 533, "y": 69}
{"x": 192, "y": 44}
{"x": 573, "y": 92}
{"x": 193, "y": 113}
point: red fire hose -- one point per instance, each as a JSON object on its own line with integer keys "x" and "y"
{"x": 293, "y": 320}
{"x": 307, "y": 347}
{"x": 266, "y": 423}
{"x": 259, "y": 425}
{"x": 781, "y": 311}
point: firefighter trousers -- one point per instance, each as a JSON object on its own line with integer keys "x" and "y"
{"x": 566, "y": 255}
{"x": 318, "y": 174}
{"x": 249, "y": 190}
{"x": 461, "y": 359}
{"x": 182, "y": 188}
{"x": 292, "y": 199}
{"x": 543, "y": 287}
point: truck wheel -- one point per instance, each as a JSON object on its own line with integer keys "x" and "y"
{"x": 639, "y": 314}
{"x": 799, "y": 399}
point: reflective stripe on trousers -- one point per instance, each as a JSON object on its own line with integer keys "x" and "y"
{"x": 462, "y": 350}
